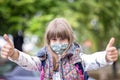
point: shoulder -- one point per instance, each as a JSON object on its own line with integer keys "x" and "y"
{"x": 77, "y": 47}
{"x": 41, "y": 52}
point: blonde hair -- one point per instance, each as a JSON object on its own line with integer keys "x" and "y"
{"x": 59, "y": 27}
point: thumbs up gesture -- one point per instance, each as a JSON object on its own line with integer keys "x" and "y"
{"x": 111, "y": 51}
{"x": 8, "y": 49}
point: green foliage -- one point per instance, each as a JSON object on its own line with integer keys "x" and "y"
{"x": 96, "y": 20}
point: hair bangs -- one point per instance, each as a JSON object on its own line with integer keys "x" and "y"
{"x": 58, "y": 32}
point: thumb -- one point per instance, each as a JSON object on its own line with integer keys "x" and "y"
{"x": 111, "y": 43}
{"x": 6, "y": 38}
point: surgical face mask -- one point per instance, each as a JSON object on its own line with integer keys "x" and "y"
{"x": 59, "y": 48}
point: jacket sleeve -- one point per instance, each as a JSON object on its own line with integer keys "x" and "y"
{"x": 28, "y": 62}
{"x": 94, "y": 61}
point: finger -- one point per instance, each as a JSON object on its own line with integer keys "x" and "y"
{"x": 4, "y": 53}
{"x": 113, "y": 58}
{"x": 4, "y": 56}
{"x": 112, "y": 54}
{"x": 111, "y": 49}
{"x": 111, "y": 43}
{"x": 7, "y": 39}
{"x": 7, "y": 46}
{"x": 9, "y": 51}
{"x": 4, "y": 50}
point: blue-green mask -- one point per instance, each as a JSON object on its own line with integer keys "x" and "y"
{"x": 59, "y": 48}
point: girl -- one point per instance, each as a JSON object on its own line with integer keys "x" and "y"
{"x": 58, "y": 58}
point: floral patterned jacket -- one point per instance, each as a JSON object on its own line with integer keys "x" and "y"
{"x": 67, "y": 70}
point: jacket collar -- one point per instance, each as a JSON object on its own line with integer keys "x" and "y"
{"x": 70, "y": 52}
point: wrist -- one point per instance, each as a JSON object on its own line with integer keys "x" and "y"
{"x": 15, "y": 54}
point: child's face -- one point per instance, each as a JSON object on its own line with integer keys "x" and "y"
{"x": 59, "y": 45}
{"x": 58, "y": 40}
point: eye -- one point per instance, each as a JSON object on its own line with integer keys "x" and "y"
{"x": 62, "y": 39}
{"x": 54, "y": 39}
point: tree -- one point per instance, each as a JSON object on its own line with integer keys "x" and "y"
{"x": 96, "y": 20}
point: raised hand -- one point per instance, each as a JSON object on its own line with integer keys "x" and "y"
{"x": 111, "y": 51}
{"x": 8, "y": 49}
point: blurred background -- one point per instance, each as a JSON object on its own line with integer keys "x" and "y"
{"x": 94, "y": 22}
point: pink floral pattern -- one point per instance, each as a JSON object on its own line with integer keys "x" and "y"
{"x": 69, "y": 70}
